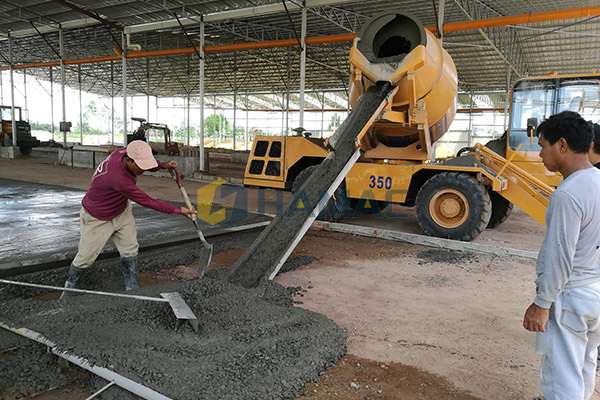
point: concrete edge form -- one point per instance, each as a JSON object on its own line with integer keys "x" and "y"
{"x": 111, "y": 376}
{"x": 423, "y": 240}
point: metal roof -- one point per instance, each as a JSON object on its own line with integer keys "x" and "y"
{"x": 482, "y": 57}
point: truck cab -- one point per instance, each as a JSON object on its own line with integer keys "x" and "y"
{"x": 535, "y": 99}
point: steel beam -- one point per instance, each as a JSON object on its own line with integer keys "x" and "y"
{"x": 231, "y": 14}
{"x": 77, "y": 23}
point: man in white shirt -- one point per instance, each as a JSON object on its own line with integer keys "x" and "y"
{"x": 566, "y": 309}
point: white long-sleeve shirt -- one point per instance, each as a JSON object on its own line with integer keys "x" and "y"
{"x": 570, "y": 254}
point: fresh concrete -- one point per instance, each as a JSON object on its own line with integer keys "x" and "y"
{"x": 253, "y": 344}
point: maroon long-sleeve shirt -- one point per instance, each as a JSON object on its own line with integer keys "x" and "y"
{"x": 113, "y": 185}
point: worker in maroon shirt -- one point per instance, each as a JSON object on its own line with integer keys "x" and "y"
{"x": 106, "y": 211}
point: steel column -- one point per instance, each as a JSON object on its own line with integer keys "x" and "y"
{"x": 508, "y": 78}
{"x": 302, "y": 66}
{"x": 52, "y": 101}
{"x": 24, "y": 89}
{"x": 189, "y": 89}
{"x": 441, "y": 20}
{"x": 470, "y": 131}
{"x": 283, "y": 114}
{"x": 201, "y": 95}
{"x": 12, "y": 91}
{"x": 124, "y": 64}
{"x": 322, "y": 114}
{"x": 234, "y": 99}
{"x": 148, "y": 89}
{"x": 112, "y": 102}
{"x": 246, "y": 131}
{"x": 215, "y": 122}
{"x": 62, "y": 81}
{"x": 80, "y": 107}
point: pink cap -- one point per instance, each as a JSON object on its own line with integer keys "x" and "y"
{"x": 140, "y": 152}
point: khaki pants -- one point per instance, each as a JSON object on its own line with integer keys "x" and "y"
{"x": 95, "y": 233}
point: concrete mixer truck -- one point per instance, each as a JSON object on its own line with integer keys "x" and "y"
{"x": 455, "y": 198}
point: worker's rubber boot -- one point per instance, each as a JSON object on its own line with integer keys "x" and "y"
{"x": 72, "y": 277}
{"x": 129, "y": 268}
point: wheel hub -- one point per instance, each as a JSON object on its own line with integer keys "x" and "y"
{"x": 449, "y": 208}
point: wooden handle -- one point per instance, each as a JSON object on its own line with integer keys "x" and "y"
{"x": 188, "y": 203}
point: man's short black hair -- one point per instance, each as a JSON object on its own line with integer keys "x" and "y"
{"x": 596, "y": 139}
{"x": 572, "y": 127}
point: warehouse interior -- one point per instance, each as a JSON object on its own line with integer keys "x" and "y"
{"x": 300, "y": 287}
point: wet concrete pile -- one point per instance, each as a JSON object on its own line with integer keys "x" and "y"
{"x": 252, "y": 343}
{"x": 262, "y": 257}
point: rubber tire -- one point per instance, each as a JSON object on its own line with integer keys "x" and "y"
{"x": 341, "y": 200}
{"x": 25, "y": 150}
{"x": 477, "y": 195}
{"x": 501, "y": 209}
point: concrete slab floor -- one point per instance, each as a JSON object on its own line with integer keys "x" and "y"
{"x": 41, "y": 222}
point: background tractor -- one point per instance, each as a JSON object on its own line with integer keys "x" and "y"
{"x": 169, "y": 148}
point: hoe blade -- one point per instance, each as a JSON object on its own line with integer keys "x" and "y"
{"x": 204, "y": 258}
{"x": 182, "y": 311}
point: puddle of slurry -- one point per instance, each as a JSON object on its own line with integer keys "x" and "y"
{"x": 445, "y": 257}
{"x": 252, "y": 343}
{"x": 262, "y": 257}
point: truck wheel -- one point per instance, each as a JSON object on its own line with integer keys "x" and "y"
{"x": 337, "y": 205}
{"x": 25, "y": 150}
{"x": 453, "y": 205}
{"x": 501, "y": 209}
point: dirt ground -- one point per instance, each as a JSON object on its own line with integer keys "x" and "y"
{"x": 422, "y": 323}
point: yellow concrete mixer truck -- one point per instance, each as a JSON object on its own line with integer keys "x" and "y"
{"x": 455, "y": 198}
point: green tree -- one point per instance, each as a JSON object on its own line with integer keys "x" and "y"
{"x": 334, "y": 123}
{"x": 217, "y": 125}
{"x": 42, "y": 127}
